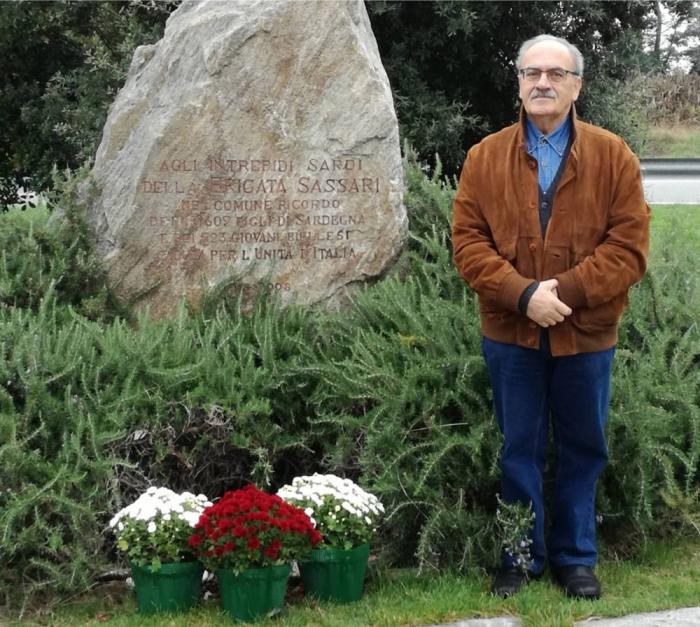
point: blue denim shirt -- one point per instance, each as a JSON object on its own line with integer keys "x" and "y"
{"x": 548, "y": 150}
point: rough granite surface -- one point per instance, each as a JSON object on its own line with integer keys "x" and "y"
{"x": 256, "y": 145}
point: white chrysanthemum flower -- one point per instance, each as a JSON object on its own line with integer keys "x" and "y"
{"x": 162, "y": 504}
{"x": 191, "y": 518}
{"x": 333, "y": 499}
{"x": 348, "y": 507}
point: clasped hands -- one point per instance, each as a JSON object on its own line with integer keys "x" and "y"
{"x": 544, "y": 307}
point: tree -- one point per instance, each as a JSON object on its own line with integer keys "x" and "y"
{"x": 683, "y": 36}
{"x": 672, "y": 31}
{"x": 62, "y": 64}
{"x": 451, "y": 64}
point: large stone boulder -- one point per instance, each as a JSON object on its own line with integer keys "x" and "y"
{"x": 255, "y": 144}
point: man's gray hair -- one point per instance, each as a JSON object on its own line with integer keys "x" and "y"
{"x": 575, "y": 53}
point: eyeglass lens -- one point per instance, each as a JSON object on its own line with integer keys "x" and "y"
{"x": 533, "y": 74}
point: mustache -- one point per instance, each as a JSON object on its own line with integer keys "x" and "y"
{"x": 543, "y": 93}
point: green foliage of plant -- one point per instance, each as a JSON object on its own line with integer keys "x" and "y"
{"x": 65, "y": 62}
{"x": 168, "y": 543}
{"x": 156, "y": 528}
{"x": 209, "y": 400}
{"x": 515, "y": 521}
{"x": 340, "y": 529}
{"x": 654, "y": 420}
{"x": 53, "y": 455}
{"x": 391, "y": 392}
{"x": 40, "y": 254}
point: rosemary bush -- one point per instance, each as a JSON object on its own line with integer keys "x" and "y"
{"x": 38, "y": 254}
{"x": 391, "y": 393}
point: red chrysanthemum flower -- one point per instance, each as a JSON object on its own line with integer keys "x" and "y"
{"x": 249, "y": 528}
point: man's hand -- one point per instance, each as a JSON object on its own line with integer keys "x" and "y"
{"x": 544, "y": 307}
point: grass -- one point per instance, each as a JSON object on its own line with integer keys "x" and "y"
{"x": 680, "y": 141}
{"x": 663, "y": 576}
{"x": 671, "y": 220}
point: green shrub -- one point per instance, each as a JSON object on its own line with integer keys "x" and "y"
{"x": 41, "y": 254}
{"x": 652, "y": 481}
{"x": 669, "y": 98}
{"x": 94, "y": 413}
{"x": 53, "y": 452}
{"x": 391, "y": 392}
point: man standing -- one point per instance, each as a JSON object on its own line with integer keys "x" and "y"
{"x": 551, "y": 229}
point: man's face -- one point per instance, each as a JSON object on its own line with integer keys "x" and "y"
{"x": 548, "y": 103}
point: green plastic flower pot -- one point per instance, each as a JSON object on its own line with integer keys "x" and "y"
{"x": 254, "y": 593}
{"x": 335, "y": 574}
{"x": 173, "y": 588}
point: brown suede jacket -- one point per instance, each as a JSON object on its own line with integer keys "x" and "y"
{"x": 596, "y": 243}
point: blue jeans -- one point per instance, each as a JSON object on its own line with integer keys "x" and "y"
{"x": 529, "y": 386}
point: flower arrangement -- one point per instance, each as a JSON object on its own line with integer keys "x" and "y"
{"x": 155, "y": 528}
{"x": 344, "y": 513}
{"x": 249, "y": 528}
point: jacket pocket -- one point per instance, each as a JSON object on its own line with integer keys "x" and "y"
{"x": 557, "y": 260}
{"x": 492, "y": 310}
{"x": 602, "y": 317}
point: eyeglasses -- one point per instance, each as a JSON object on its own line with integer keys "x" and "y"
{"x": 554, "y": 75}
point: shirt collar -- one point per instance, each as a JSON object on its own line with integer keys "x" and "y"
{"x": 557, "y": 139}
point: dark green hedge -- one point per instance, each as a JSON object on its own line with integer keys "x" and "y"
{"x": 392, "y": 392}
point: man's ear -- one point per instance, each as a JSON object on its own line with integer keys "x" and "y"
{"x": 580, "y": 84}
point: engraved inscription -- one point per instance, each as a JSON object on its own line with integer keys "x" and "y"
{"x": 260, "y": 210}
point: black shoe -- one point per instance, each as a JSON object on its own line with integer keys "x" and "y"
{"x": 578, "y": 581}
{"x": 509, "y": 580}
